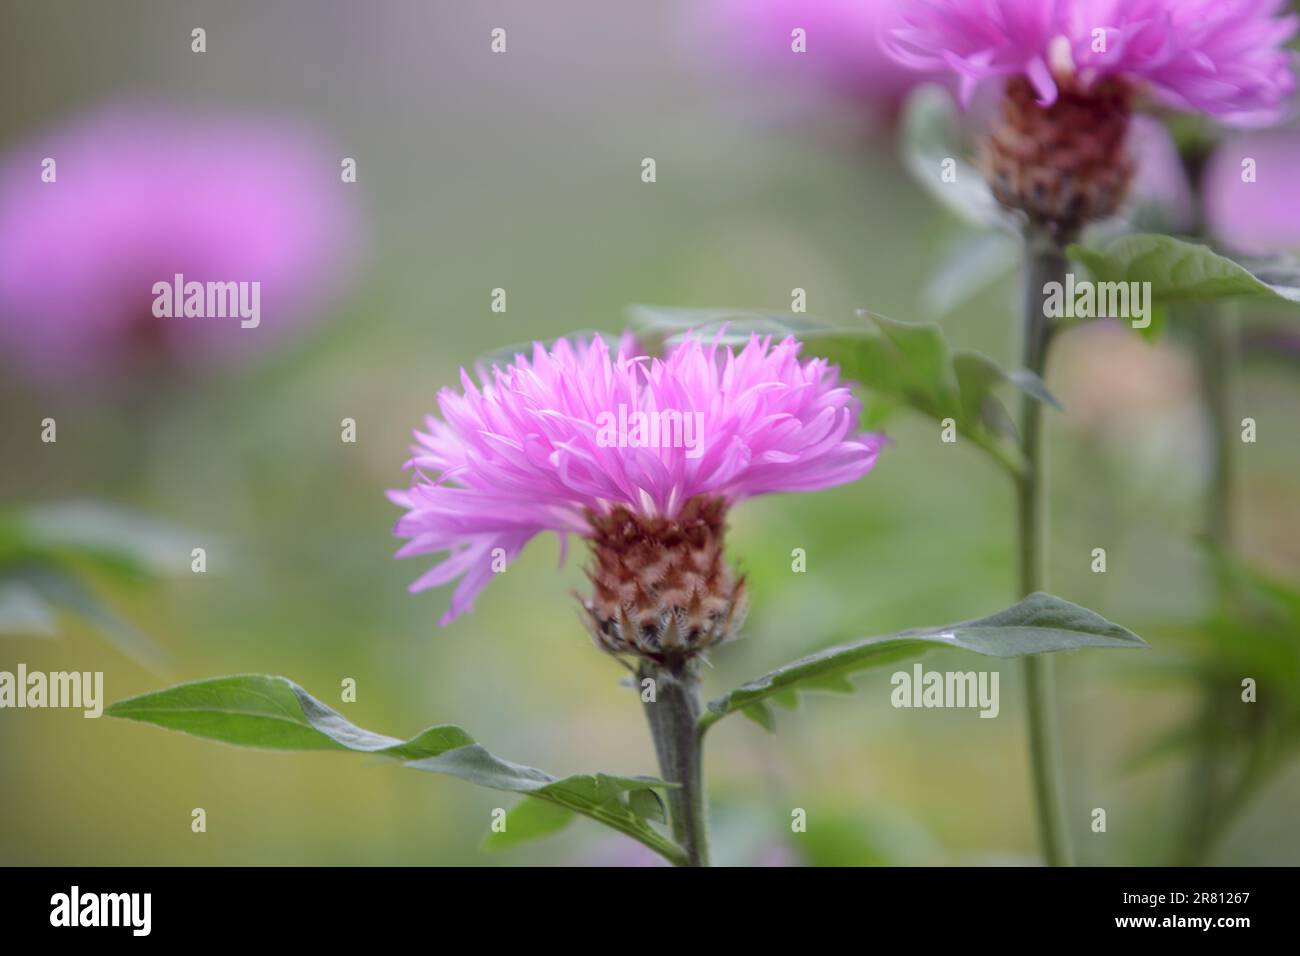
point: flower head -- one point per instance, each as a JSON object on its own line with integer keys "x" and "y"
{"x": 642, "y": 455}
{"x": 1224, "y": 58}
{"x": 138, "y": 194}
{"x": 1059, "y": 151}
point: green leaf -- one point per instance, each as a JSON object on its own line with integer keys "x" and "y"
{"x": 46, "y": 551}
{"x": 253, "y": 710}
{"x": 119, "y": 540}
{"x": 598, "y": 796}
{"x": 912, "y": 362}
{"x": 1155, "y": 329}
{"x": 868, "y": 836}
{"x": 669, "y": 322}
{"x": 928, "y": 143}
{"x": 531, "y": 820}
{"x": 974, "y": 262}
{"x": 906, "y": 362}
{"x": 1039, "y": 624}
{"x": 1181, "y": 271}
{"x": 24, "y": 612}
{"x": 762, "y": 715}
{"x": 648, "y": 805}
{"x": 1254, "y": 631}
{"x": 1173, "y": 742}
{"x": 60, "y": 590}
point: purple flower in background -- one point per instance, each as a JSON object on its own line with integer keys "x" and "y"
{"x": 1071, "y": 71}
{"x": 841, "y": 49}
{"x": 139, "y": 194}
{"x": 1251, "y": 193}
{"x": 641, "y": 455}
{"x": 1224, "y": 58}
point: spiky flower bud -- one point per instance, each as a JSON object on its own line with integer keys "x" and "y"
{"x": 1063, "y": 165}
{"x": 661, "y": 587}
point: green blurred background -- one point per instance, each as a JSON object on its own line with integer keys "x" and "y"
{"x": 523, "y": 171}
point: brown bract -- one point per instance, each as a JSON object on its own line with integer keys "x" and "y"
{"x": 661, "y": 587}
{"x": 1063, "y": 165}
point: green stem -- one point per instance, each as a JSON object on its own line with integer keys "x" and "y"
{"x": 1217, "y": 356}
{"x": 1205, "y": 799}
{"x": 1249, "y": 782}
{"x": 1214, "y": 330}
{"x": 1209, "y": 810}
{"x": 674, "y": 716}
{"x": 1045, "y": 262}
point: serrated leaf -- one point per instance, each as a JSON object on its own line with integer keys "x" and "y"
{"x": 254, "y": 710}
{"x": 1179, "y": 271}
{"x": 1041, "y": 623}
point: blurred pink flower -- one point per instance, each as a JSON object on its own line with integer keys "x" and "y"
{"x": 542, "y": 446}
{"x": 1114, "y": 383}
{"x": 1254, "y": 209}
{"x": 842, "y": 51}
{"x": 142, "y": 193}
{"x": 1224, "y": 58}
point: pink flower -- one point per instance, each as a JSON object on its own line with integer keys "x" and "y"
{"x": 141, "y": 193}
{"x": 1220, "y": 57}
{"x": 1252, "y": 208}
{"x": 576, "y": 434}
{"x": 841, "y": 50}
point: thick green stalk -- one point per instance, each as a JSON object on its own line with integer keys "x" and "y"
{"x": 1045, "y": 262}
{"x": 674, "y": 724}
